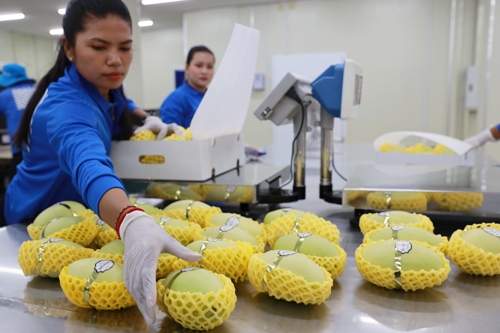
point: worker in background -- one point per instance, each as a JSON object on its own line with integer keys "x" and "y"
{"x": 490, "y": 134}
{"x": 181, "y": 105}
{"x": 17, "y": 91}
{"x": 78, "y": 108}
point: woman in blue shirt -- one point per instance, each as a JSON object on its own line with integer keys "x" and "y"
{"x": 13, "y": 101}
{"x": 76, "y": 111}
{"x": 179, "y": 107}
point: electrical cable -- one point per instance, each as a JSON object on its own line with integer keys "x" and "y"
{"x": 293, "y": 95}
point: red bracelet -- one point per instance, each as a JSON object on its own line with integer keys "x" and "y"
{"x": 121, "y": 216}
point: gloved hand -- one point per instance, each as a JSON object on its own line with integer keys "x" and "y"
{"x": 481, "y": 138}
{"x": 253, "y": 152}
{"x": 144, "y": 240}
{"x": 157, "y": 126}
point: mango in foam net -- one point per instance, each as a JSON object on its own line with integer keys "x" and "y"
{"x": 165, "y": 265}
{"x": 170, "y": 191}
{"x": 288, "y": 224}
{"x": 234, "y": 233}
{"x": 229, "y": 193}
{"x": 412, "y": 201}
{"x": 402, "y": 264}
{"x": 145, "y": 135}
{"x": 374, "y": 221}
{"x": 290, "y": 276}
{"x": 253, "y": 227}
{"x": 476, "y": 249}
{"x": 47, "y": 257}
{"x": 105, "y": 235}
{"x": 408, "y": 233}
{"x": 148, "y": 208}
{"x": 96, "y": 283}
{"x": 183, "y": 231}
{"x": 326, "y": 254}
{"x": 440, "y": 149}
{"x": 220, "y": 256}
{"x": 64, "y": 208}
{"x": 112, "y": 251}
{"x": 273, "y": 215}
{"x": 197, "y": 299}
{"x": 458, "y": 202}
{"x": 191, "y": 210}
{"x": 72, "y": 228}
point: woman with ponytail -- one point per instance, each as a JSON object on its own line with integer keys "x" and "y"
{"x": 66, "y": 131}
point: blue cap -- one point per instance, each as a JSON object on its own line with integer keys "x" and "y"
{"x": 12, "y": 74}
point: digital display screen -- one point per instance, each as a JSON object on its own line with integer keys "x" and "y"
{"x": 358, "y": 82}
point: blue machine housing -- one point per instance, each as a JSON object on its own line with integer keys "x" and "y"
{"x": 327, "y": 89}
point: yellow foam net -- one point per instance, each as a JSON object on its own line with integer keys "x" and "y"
{"x": 458, "y": 202}
{"x": 194, "y": 214}
{"x": 442, "y": 246}
{"x": 36, "y": 231}
{"x": 82, "y": 233}
{"x": 261, "y": 239}
{"x": 310, "y": 223}
{"x": 165, "y": 266}
{"x": 471, "y": 259}
{"x": 410, "y": 280}
{"x": 47, "y": 257}
{"x": 102, "y": 296}
{"x": 116, "y": 257}
{"x": 176, "y": 137}
{"x": 105, "y": 236}
{"x": 197, "y": 311}
{"x": 283, "y": 284}
{"x": 333, "y": 265}
{"x": 367, "y": 224}
{"x": 170, "y": 191}
{"x": 148, "y": 135}
{"x": 411, "y": 201}
{"x": 231, "y": 262}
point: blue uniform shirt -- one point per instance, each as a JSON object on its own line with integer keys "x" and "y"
{"x": 67, "y": 156}
{"x": 179, "y": 107}
{"x": 13, "y": 101}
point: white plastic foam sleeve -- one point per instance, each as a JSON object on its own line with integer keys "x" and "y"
{"x": 224, "y": 107}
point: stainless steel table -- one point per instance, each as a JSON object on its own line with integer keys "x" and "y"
{"x": 462, "y": 303}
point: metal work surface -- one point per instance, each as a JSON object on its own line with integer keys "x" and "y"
{"x": 462, "y": 303}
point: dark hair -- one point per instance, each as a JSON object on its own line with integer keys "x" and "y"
{"x": 196, "y": 49}
{"x": 77, "y": 12}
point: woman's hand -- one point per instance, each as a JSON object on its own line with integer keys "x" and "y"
{"x": 144, "y": 240}
{"x": 157, "y": 126}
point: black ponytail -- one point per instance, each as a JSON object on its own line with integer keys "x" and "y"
{"x": 77, "y": 12}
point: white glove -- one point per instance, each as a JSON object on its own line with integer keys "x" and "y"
{"x": 157, "y": 126}
{"x": 481, "y": 138}
{"x": 144, "y": 240}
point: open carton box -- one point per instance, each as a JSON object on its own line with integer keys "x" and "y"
{"x": 464, "y": 151}
{"x": 195, "y": 160}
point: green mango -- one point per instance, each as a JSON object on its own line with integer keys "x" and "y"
{"x": 273, "y": 215}
{"x": 312, "y": 245}
{"x": 487, "y": 239}
{"x": 226, "y": 193}
{"x": 213, "y": 244}
{"x": 183, "y": 204}
{"x": 396, "y": 217}
{"x": 168, "y": 221}
{"x": 296, "y": 263}
{"x": 195, "y": 280}
{"x": 414, "y": 257}
{"x": 74, "y": 206}
{"x": 60, "y": 224}
{"x": 109, "y": 271}
{"x": 236, "y": 234}
{"x": 148, "y": 208}
{"x": 243, "y": 222}
{"x": 114, "y": 247}
{"x": 51, "y": 213}
{"x": 408, "y": 233}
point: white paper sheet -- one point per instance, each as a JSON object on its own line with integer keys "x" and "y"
{"x": 224, "y": 107}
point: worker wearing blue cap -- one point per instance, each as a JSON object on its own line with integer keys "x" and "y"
{"x": 17, "y": 91}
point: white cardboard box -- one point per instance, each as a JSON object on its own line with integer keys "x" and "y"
{"x": 196, "y": 160}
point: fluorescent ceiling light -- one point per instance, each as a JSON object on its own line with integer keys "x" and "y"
{"x": 55, "y": 32}
{"x": 62, "y": 11}
{"x": 146, "y": 23}
{"x": 10, "y": 17}
{"x": 154, "y": 2}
